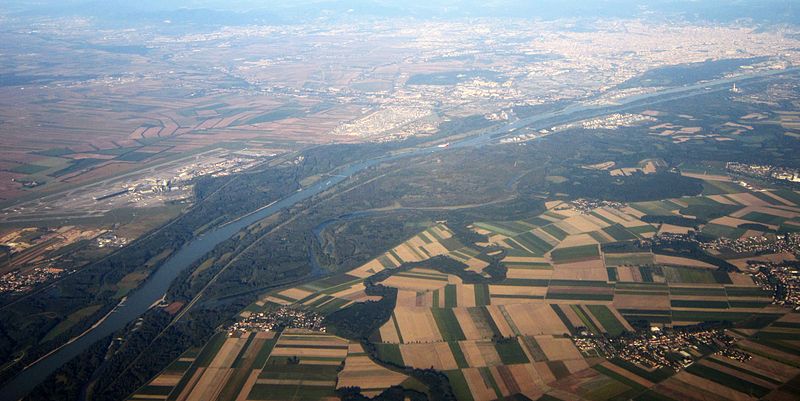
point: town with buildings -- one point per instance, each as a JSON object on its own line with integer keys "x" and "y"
{"x": 783, "y": 279}
{"x": 673, "y": 348}
{"x": 18, "y": 281}
{"x": 764, "y": 171}
{"x": 283, "y": 317}
{"x": 760, "y": 244}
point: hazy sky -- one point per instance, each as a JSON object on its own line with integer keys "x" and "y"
{"x": 786, "y": 11}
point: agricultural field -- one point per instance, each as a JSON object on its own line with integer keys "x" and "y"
{"x": 226, "y": 368}
{"x": 291, "y": 365}
{"x": 568, "y": 273}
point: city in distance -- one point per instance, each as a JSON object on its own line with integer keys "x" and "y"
{"x": 375, "y": 200}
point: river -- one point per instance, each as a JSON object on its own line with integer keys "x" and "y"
{"x": 139, "y": 301}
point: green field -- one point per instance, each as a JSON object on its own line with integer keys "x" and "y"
{"x": 699, "y": 304}
{"x": 607, "y": 319}
{"x": 29, "y": 169}
{"x": 563, "y": 255}
{"x": 510, "y": 351}
{"x": 720, "y": 231}
{"x": 390, "y": 353}
{"x": 448, "y": 324}
{"x": 619, "y": 233}
{"x": 533, "y": 243}
{"x": 450, "y": 297}
{"x": 628, "y": 259}
{"x": 587, "y": 321}
{"x": 685, "y": 275}
{"x": 764, "y": 218}
{"x": 727, "y": 380}
{"x": 555, "y": 232}
{"x": 459, "y": 385}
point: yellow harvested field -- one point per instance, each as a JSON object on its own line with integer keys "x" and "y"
{"x": 228, "y": 353}
{"x": 747, "y": 199}
{"x": 412, "y": 250}
{"x": 535, "y": 319}
{"x": 500, "y": 321}
{"x": 783, "y": 211}
{"x": 742, "y": 280}
{"x": 586, "y": 223}
{"x": 633, "y": 212}
{"x": 293, "y": 382}
{"x": 707, "y": 177}
{"x": 584, "y": 264}
{"x": 436, "y": 249}
{"x": 763, "y": 366}
{"x": 355, "y": 293}
{"x": 576, "y": 365}
{"x": 572, "y": 316}
{"x": 366, "y": 270}
{"x": 497, "y": 289}
{"x": 468, "y": 327}
{"x": 627, "y": 374}
{"x": 476, "y": 265}
{"x": 629, "y": 274}
{"x": 723, "y": 391}
{"x": 481, "y": 391}
{"x": 323, "y": 341}
{"x": 632, "y": 301}
{"x": 407, "y": 254}
{"x": 524, "y": 259}
{"x": 670, "y": 229}
{"x": 480, "y": 353}
{"x": 388, "y": 332}
{"x": 424, "y": 356}
{"x": 465, "y": 295}
{"x": 480, "y": 230}
{"x": 679, "y": 261}
{"x": 275, "y": 300}
{"x": 721, "y": 199}
{"x": 778, "y": 198}
{"x": 191, "y": 385}
{"x": 413, "y": 283}
{"x": 614, "y": 215}
{"x": 407, "y": 298}
{"x": 770, "y": 352}
{"x": 248, "y": 385}
{"x": 566, "y": 211}
{"x": 529, "y": 273}
{"x": 167, "y": 379}
{"x": 544, "y": 372}
{"x": 790, "y": 318}
{"x": 417, "y": 324}
{"x": 545, "y": 236}
{"x": 210, "y": 384}
{"x": 568, "y": 228}
{"x": 529, "y": 382}
{"x": 362, "y": 372}
{"x": 558, "y": 349}
{"x": 577, "y": 240}
{"x": 310, "y": 352}
{"x": 733, "y": 222}
{"x": 295, "y": 293}
{"x": 442, "y": 231}
{"x": 590, "y": 270}
{"x": 736, "y": 373}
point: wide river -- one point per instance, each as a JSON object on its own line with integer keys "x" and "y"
{"x": 139, "y": 301}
